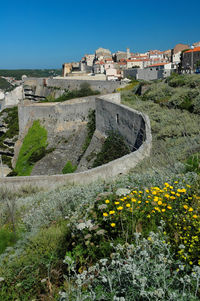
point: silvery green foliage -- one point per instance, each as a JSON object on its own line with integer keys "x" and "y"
{"x": 74, "y": 202}
{"x": 143, "y": 271}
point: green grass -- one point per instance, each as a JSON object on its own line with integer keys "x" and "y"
{"x": 32, "y": 150}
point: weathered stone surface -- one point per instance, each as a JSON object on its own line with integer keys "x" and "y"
{"x": 133, "y": 125}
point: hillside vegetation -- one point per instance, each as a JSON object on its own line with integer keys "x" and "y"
{"x": 17, "y": 73}
{"x": 177, "y": 91}
{"x": 33, "y": 149}
{"x": 85, "y": 90}
{"x": 5, "y": 85}
{"x": 132, "y": 238}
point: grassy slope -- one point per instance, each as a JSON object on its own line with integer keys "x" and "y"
{"x": 175, "y": 132}
{"x": 175, "y": 137}
{"x": 35, "y": 139}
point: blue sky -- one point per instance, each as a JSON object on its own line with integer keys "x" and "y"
{"x": 46, "y": 33}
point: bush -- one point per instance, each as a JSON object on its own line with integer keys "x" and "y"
{"x": 193, "y": 163}
{"x": 113, "y": 148}
{"x": 69, "y": 168}
{"x": 7, "y": 238}
{"x": 144, "y": 270}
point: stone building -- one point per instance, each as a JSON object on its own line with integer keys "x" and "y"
{"x": 102, "y": 53}
{"x": 180, "y": 47}
{"x": 69, "y": 67}
{"x": 191, "y": 58}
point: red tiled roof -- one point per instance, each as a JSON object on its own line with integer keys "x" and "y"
{"x": 193, "y": 50}
{"x": 144, "y": 60}
{"x": 159, "y": 64}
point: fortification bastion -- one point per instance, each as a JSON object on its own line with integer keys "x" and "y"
{"x": 71, "y": 116}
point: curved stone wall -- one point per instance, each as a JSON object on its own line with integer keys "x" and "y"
{"x": 110, "y": 115}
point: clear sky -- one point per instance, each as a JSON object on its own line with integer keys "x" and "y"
{"x": 47, "y": 33}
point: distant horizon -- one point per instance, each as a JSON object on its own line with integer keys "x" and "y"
{"x": 45, "y": 34}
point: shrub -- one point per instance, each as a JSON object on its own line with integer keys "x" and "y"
{"x": 113, "y": 148}
{"x": 193, "y": 163}
{"x": 69, "y": 168}
{"x": 144, "y": 270}
{"x": 91, "y": 126}
{"x": 7, "y": 238}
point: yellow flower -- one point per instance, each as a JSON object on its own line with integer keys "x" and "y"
{"x": 154, "y": 192}
{"x": 166, "y": 184}
{"x": 159, "y": 202}
{"x": 178, "y": 194}
{"x": 188, "y": 186}
{"x": 190, "y": 209}
{"x": 147, "y": 202}
{"x": 149, "y": 238}
{"x": 176, "y": 182}
{"x": 120, "y": 208}
{"x": 133, "y": 200}
{"x": 148, "y": 216}
{"x": 139, "y": 202}
{"x": 105, "y": 214}
{"x": 185, "y": 207}
{"x": 171, "y": 187}
{"x": 167, "y": 196}
{"x": 194, "y": 216}
{"x": 128, "y": 205}
{"x": 116, "y": 203}
{"x": 172, "y": 192}
{"x": 140, "y": 192}
{"x": 107, "y": 201}
{"x": 147, "y": 190}
{"x": 163, "y": 210}
{"x": 169, "y": 207}
{"x": 112, "y": 212}
{"x": 113, "y": 225}
{"x": 191, "y": 262}
{"x": 172, "y": 197}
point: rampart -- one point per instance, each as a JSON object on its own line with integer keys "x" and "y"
{"x": 110, "y": 115}
{"x": 43, "y": 86}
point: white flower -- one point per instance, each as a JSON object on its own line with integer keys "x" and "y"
{"x": 1, "y": 279}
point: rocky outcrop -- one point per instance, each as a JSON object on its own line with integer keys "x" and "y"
{"x": 13, "y": 98}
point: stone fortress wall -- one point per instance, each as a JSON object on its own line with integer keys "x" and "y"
{"x": 43, "y": 87}
{"x": 110, "y": 115}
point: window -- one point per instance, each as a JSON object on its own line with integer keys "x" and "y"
{"x": 117, "y": 118}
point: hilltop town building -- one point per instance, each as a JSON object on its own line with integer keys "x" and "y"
{"x": 191, "y": 59}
